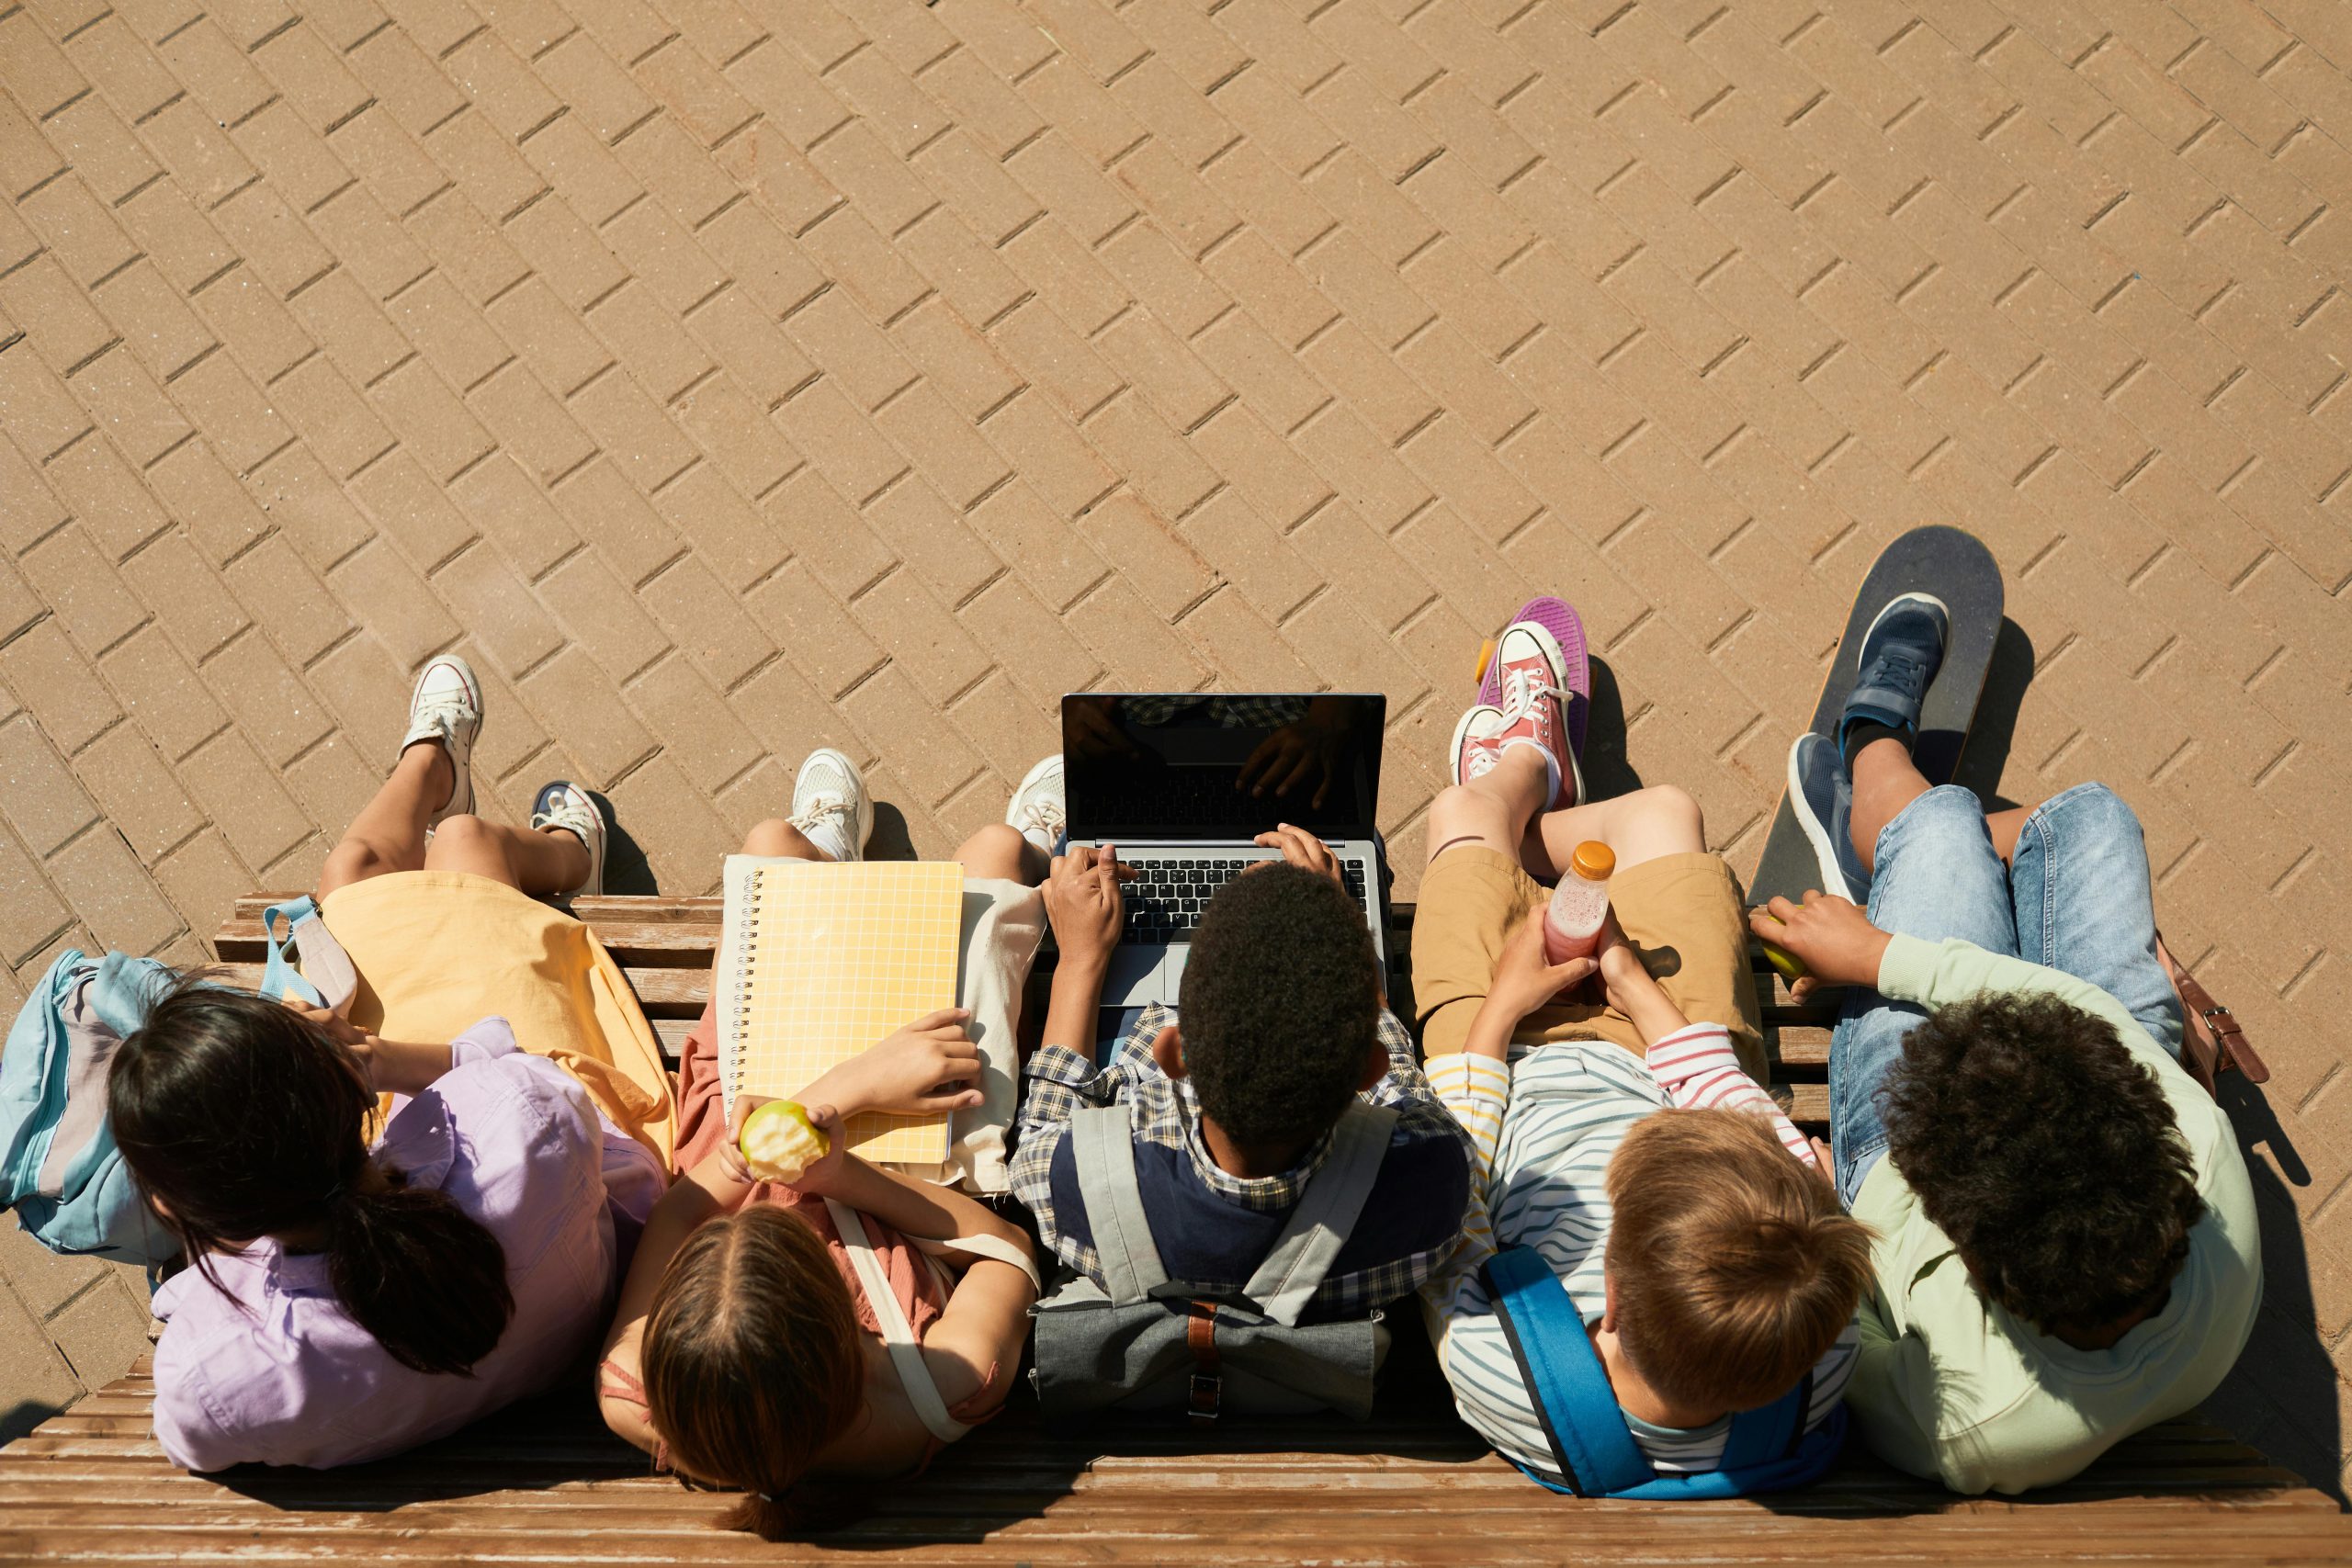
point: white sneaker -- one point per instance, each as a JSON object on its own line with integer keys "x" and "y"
{"x": 446, "y": 707}
{"x": 829, "y": 805}
{"x": 565, "y": 804}
{"x": 1040, "y": 808}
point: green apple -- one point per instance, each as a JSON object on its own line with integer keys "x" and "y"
{"x": 1792, "y": 968}
{"x": 780, "y": 1143}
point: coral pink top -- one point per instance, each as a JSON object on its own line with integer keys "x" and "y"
{"x": 920, "y": 1283}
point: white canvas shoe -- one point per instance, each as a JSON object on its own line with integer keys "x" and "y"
{"x": 829, "y": 805}
{"x": 565, "y": 804}
{"x": 446, "y": 707}
{"x": 1040, "y": 808}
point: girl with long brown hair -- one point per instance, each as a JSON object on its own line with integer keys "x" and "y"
{"x": 846, "y": 1326}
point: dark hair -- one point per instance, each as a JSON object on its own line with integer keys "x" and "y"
{"x": 247, "y": 1120}
{"x": 2046, "y": 1154}
{"x": 1281, "y": 1003}
{"x": 1733, "y": 1267}
{"x": 753, "y": 1360}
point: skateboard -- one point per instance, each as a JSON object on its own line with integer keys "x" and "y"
{"x": 1555, "y": 616}
{"x": 1957, "y": 568}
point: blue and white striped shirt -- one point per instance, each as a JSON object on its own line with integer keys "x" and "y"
{"x": 1544, "y": 1129}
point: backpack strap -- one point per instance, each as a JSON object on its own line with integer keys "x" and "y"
{"x": 898, "y": 1334}
{"x": 326, "y": 978}
{"x": 1103, "y": 1145}
{"x": 1772, "y": 1432}
{"x": 1295, "y": 1267}
{"x": 1573, "y": 1404}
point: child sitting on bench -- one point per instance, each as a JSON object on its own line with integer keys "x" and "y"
{"x": 1711, "y": 1270}
{"x": 2068, "y": 1249}
{"x": 1231, "y": 1112}
{"x": 341, "y": 1303}
{"x": 849, "y": 1324}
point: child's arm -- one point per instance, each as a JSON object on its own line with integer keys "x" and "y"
{"x": 974, "y": 1350}
{"x": 1522, "y": 983}
{"x": 1633, "y": 992}
{"x": 912, "y": 1208}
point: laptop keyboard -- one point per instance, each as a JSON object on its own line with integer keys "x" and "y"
{"x": 1165, "y": 900}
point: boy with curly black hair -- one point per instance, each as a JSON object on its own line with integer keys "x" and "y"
{"x": 2067, "y": 1249}
{"x": 1231, "y": 1111}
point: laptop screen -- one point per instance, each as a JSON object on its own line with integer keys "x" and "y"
{"x": 1189, "y": 765}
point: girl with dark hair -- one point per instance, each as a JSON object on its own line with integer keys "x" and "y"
{"x": 341, "y": 1300}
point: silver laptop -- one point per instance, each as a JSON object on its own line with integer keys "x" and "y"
{"x": 1181, "y": 782}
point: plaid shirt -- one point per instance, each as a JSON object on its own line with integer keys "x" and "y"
{"x": 1163, "y": 1112}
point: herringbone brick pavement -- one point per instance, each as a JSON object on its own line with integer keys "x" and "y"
{"x": 725, "y": 377}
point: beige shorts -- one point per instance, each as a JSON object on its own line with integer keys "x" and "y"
{"x": 1683, "y": 911}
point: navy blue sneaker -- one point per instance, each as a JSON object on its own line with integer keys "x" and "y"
{"x": 1900, "y": 655}
{"x": 1822, "y": 797}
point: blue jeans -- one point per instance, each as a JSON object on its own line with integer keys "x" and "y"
{"x": 2076, "y": 899}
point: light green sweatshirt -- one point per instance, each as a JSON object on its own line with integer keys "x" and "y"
{"x": 1949, "y": 1385}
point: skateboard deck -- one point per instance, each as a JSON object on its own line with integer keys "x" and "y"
{"x": 1957, "y": 568}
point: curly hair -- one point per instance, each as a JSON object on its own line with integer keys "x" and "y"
{"x": 1279, "y": 1005}
{"x": 2048, "y": 1155}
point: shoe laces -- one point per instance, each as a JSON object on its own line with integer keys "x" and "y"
{"x": 1896, "y": 668}
{"x": 1048, "y": 817}
{"x": 1481, "y": 760}
{"x": 1520, "y": 688}
{"x": 820, "y": 810}
{"x": 568, "y": 813}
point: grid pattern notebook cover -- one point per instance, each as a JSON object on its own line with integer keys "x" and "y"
{"x": 817, "y": 962}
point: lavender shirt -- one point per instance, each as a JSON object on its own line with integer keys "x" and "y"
{"x": 270, "y": 1369}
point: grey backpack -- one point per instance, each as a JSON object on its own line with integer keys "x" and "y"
{"x": 1143, "y": 1341}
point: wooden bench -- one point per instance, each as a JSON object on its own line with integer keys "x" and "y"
{"x": 545, "y": 1483}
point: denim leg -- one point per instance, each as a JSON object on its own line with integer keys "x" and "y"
{"x": 1936, "y": 876}
{"x": 2079, "y": 880}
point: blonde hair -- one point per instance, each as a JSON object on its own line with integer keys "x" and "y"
{"x": 1733, "y": 1267}
{"x": 753, "y": 1361}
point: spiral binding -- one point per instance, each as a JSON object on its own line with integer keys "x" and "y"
{"x": 747, "y": 943}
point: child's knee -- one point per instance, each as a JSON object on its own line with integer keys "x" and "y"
{"x": 464, "y": 833}
{"x": 777, "y": 837}
{"x": 1669, "y": 812}
{"x": 994, "y": 850}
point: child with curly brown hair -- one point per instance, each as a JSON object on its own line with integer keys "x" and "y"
{"x": 2067, "y": 1245}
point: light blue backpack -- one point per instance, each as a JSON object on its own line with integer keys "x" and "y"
{"x": 59, "y": 1168}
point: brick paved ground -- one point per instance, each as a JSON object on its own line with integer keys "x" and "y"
{"x": 729, "y": 375}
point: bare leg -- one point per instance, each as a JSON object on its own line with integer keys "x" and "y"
{"x": 388, "y": 833}
{"x": 2004, "y": 826}
{"x": 777, "y": 837}
{"x": 1885, "y": 781}
{"x": 998, "y": 850}
{"x": 550, "y": 861}
{"x": 1660, "y": 820}
{"x": 1493, "y": 809}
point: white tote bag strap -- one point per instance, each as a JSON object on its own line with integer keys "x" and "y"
{"x": 995, "y": 1248}
{"x": 906, "y": 1353}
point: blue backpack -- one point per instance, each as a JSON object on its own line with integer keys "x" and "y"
{"x": 1767, "y": 1450}
{"x": 59, "y": 1168}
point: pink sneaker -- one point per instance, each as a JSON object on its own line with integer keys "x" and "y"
{"x": 1531, "y": 670}
{"x": 1478, "y": 742}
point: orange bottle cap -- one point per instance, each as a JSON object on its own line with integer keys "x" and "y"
{"x": 1594, "y": 861}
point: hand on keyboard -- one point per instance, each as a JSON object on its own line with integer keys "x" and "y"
{"x": 1301, "y": 849}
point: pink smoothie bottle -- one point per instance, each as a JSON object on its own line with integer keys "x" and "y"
{"x": 1580, "y": 904}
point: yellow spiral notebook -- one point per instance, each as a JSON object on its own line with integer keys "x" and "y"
{"x": 817, "y": 962}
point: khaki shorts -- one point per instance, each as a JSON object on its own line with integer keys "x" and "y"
{"x": 1683, "y": 911}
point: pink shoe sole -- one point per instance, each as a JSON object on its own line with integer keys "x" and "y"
{"x": 1556, "y": 616}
